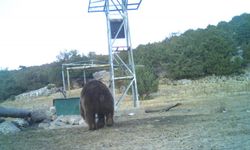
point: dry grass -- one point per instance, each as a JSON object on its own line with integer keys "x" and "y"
{"x": 39, "y": 102}
{"x": 212, "y": 116}
{"x": 200, "y": 123}
{"x": 200, "y": 87}
{"x": 167, "y": 93}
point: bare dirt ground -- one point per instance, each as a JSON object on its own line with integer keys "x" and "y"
{"x": 205, "y": 121}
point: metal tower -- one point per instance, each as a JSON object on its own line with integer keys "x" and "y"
{"x": 119, "y": 39}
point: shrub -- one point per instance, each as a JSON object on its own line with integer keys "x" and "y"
{"x": 147, "y": 82}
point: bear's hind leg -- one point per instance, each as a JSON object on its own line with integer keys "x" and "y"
{"x": 109, "y": 119}
{"x": 100, "y": 121}
{"x": 90, "y": 119}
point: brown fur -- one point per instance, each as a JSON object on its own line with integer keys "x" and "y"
{"x": 96, "y": 103}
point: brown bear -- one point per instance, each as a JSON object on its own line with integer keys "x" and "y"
{"x": 96, "y": 105}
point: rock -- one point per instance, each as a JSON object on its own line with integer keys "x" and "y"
{"x": 54, "y": 117}
{"x": 74, "y": 120}
{"x": 184, "y": 81}
{"x": 61, "y": 119}
{"x": 57, "y": 122}
{"x": 103, "y": 76}
{"x": 66, "y": 121}
{"x": 8, "y": 128}
{"x": 71, "y": 119}
{"x": 82, "y": 122}
{"x": 44, "y": 125}
{"x": 131, "y": 114}
{"x": 51, "y": 113}
{"x": 52, "y": 110}
{"x": 1, "y": 120}
{"x": 223, "y": 78}
{"x": 21, "y": 123}
{"x": 38, "y": 116}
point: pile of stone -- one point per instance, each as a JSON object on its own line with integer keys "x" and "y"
{"x": 63, "y": 122}
{"x": 40, "y": 119}
{"x": 208, "y": 79}
{"x": 45, "y": 91}
{"x": 7, "y": 127}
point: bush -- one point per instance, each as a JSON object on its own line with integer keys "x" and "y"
{"x": 202, "y": 52}
{"x": 147, "y": 82}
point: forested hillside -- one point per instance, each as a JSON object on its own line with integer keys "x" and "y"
{"x": 25, "y": 79}
{"x": 220, "y": 50}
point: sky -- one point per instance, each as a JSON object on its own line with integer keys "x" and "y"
{"x": 34, "y": 32}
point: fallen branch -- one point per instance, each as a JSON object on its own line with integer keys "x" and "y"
{"x": 161, "y": 109}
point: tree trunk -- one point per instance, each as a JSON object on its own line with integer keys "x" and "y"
{"x": 14, "y": 112}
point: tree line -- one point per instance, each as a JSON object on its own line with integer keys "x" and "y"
{"x": 24, "y": 79}
{"x": 223, "y": 49}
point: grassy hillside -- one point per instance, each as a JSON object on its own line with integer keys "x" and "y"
{"x": 168, "y": 91}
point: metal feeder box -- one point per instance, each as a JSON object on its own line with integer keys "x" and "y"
{"x": 67, "y": 106}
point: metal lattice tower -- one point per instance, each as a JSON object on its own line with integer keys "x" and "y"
{"x": 119, "y": 39}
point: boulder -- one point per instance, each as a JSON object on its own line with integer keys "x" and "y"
{"x": 21, "y": 123}
{"x": 64, "y": 122}
{"x": 1, "y": 120}
{"x": 38, "y": 116}
{"x": 74, "y": 120}
{"x": 8, "y": 128}
{"x": 70, "y": 120}
{"x": 103, "y": 76}
{"x": 82, "y": 122}
{"x": 44, "y": 125}
{"x": 57, "y": 123}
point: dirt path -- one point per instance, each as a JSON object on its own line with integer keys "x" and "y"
{"x": 215, "y": 122}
